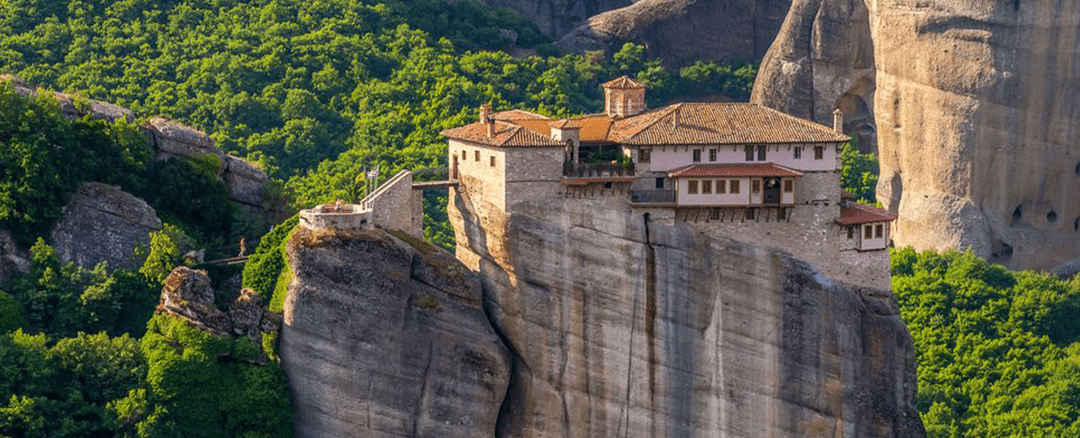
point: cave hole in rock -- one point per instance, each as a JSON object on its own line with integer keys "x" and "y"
{"x": 1051, "y": 216}
{"x": 1077, "y": 169}
{"x": 1076, "y": 224}
{"x": 1017, "y": 214}
{"x": 1002, "y": 250}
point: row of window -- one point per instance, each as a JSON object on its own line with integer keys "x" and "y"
{"x": 705, "y": 186}
{"x": 476, "y": 157}
{"x": 728, "y": 186}
{"x": 753, "y": 153}
{"x": 870, "y": 231}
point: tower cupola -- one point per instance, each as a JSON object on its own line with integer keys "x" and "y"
{"x": 623, "y": 97}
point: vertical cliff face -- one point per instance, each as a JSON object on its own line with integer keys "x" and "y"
{"x": 975, "y": 106}
{"x": 624, "y": 327}
{"x": 384, "y": 339}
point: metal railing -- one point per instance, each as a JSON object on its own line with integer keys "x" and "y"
{"x": 597, "y": 170}
{"x": 652, "y": 196}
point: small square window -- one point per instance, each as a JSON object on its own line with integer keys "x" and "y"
{"x": 789, "y": 186}
{"x": 755, "y": 186}
{"x": 691, "y": 187}
{"x": 761, "y": 149}
{"x": 706, "y": 187}
{"x": 868, "y": 231}
{"x": 879, "y": 231}
{"x": 697, "y": 155}
{"x": 850, "y": 232}
{"x": 712, "y": 154}
{"x": 721, "y": 186}
{"x": 493, "y": 160}
{"x": 733, "y": 187}
{"x": 749, "y": 152}
{"x": 644, "y": 155}
{"x": 659, "y": 183}
{"x": 819, "y": 152}
{"x": 476, "y": 155}
{"x": 798, "y": 152}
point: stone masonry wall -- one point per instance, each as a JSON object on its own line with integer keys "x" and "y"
{"x": 481, "y": 177}
{"x": 392, "y": 205}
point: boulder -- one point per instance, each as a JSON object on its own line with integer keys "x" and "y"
{"x": 12, "y": 258}
{"x": 244, "y": 181}
{"x": 246, "y": 313}
{"x": 102, "y": 223}
{"x": 188, "y": 294}
{"x": 683, "y": 31}
{"x": 557, "y": 17}
{"x": 73, "y": 106}
{"x": 382, "y": 338}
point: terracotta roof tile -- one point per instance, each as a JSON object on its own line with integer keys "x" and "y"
{"x": 565, "y": 124}
{"x": 857, "y": 213}
{"x": 623, "y": 83}
{"x": 506, "y": 135}
{"x": 733, "y": 170}
{"x": 720, "y": 123}
{"x": 516, "y": 114}
{"x": 698, "y": 123}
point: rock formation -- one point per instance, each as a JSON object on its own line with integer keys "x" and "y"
{"x": 684, "y": 31}
{"x": 72, "y": 106}
{"x": 382, "y": 338}
{"x": 102, "y": 223}
{"x": 557, "y": 17}
{"x": 822, "y": 59}
{"x": 975, "y": 105}
{"x": 188, "y": 294}
{"x": 629, "y": 328}
{"x": 243, "y": 180}
{"x": 12, "y": 258}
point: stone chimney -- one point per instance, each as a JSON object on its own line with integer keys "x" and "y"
{"x": 676, "y": 119}
{"x": 838, "y": 121}
{"x": 487, "y": 118}
{"x": 623, "y": 97}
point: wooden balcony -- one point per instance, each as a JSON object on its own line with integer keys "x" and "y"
{"x": 586, "y": 173}
{"x": 652, "y": 197}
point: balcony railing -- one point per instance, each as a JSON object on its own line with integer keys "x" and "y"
{"x": 597, "y": 170}
{"x": 652, "y": 196}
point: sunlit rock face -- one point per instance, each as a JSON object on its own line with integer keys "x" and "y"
{"x": 975, "y": 107}
{"x": 621, "y": 327}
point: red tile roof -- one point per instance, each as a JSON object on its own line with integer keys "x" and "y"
{"x": 623, "y": 83}
{"x": 506, "y": 135}
{"x": 856, "y": 213}
{"x": 733, "y": 170}
{"x": 516, "y": 114}
{"x": 565, "y": 124}
{"x": 698, "y": 124}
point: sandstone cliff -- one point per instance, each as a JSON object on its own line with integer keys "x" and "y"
{"x": 73, "y": 106}
{"x": 385, "y": 339}
{"x": 557, "y": 17}
{"x": 623, "y": 326}
{"x": 975, "y": 107}
{"x": 102, "y": 223}
{"x": 683, "y": 31}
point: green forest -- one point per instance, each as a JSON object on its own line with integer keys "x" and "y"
{"x": 315, "y": 92}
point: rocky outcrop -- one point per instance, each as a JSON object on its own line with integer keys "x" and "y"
{"x": 188, "y": 294}
{"x": 683, "y": 31}
{"x": 557, "y": 17}
{"x": 623, "y": 326}
{"x": 12, "y": 258}
{"x": 975, "y": 112}
{"x": 382, "y": 338}
{"x": 102, "y": 223}
{"x": 823, "y": 59}
{"x": 73, "y": 106}
{"x": 243, "y": 180}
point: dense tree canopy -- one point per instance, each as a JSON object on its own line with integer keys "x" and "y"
{"x": 997, "y": 350}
